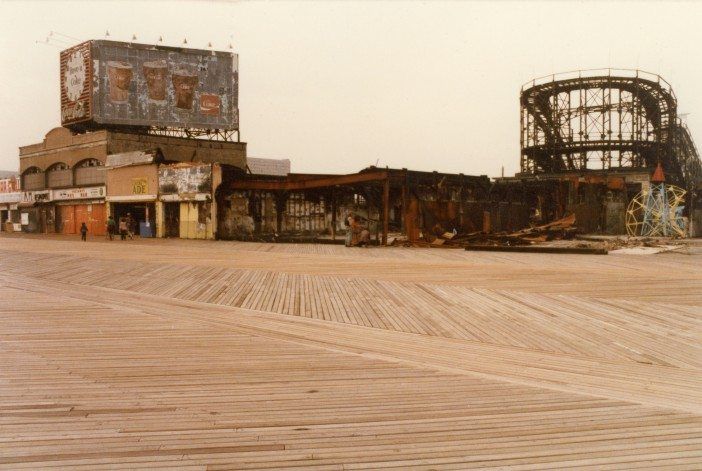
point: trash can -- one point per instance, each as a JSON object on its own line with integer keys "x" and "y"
{"x": 146, "y": 229}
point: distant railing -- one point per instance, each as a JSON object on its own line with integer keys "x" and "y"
{"x": 591, "y": 73}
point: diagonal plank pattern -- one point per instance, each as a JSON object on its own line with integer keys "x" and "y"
{"x": 644, "y": 332}
{"x": 124, "y": 356}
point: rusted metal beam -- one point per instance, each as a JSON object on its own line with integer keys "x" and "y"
{"x": 537, "y": 249}
{"x": 332, "y": 201}
{"x": 386, "y": 210}
{"x": 310, "y": 183}
{"x": 405, "y": 200}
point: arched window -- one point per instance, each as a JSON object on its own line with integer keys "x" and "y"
{"x": 33, "y": 179}
{"x": 88, "y": 163}
{"x": 59, "y": 175}
{"x": 57, "y": 166}
{"x": 89, "y": 172}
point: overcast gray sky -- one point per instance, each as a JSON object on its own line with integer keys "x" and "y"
{"x": 337, "y": 86}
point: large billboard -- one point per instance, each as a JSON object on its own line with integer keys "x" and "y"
{"x": 108, "y": 82}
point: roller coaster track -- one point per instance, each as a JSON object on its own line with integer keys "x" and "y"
{"x": 687, "y": 156}
{"x": 602, "y": 120}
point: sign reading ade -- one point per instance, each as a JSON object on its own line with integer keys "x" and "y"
{"x": 108, "y": 82}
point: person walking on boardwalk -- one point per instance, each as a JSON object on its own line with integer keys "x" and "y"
{"x": 123, "y": 228}
{"x": 130, "y": 226}
{"x": 111, "y": 226}
{"x": 83, "y": 231}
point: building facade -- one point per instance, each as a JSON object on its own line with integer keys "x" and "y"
{"x": 10, "y": 197}
{"x": 65, "y": 177}
{"x": 186, "y": 193}
{"x": 133, "y": 190}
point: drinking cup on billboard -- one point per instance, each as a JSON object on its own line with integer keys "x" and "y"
{"x": 184, "y": 84}
{"x": 155, "y": 73}
{"x": 209, "y": 104}
{"x": 120, "y": 76}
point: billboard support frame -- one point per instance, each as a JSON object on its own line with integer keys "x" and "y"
{"x": 208, "y": 134}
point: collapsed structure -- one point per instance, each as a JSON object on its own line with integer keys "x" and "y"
{"x": 416, "y": 204}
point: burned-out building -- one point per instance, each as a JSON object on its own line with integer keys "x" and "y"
{"x": 391, "y": 203}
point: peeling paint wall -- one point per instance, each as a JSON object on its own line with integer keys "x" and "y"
{"x": 195, "y": 220}
{"x": 185, "y": 178}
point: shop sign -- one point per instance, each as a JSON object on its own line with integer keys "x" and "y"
{"x": 14, "y": 197}
{"x": 78, "y": 193}
{"x": 31, "y": 197}
{"x": 140, "y": 186}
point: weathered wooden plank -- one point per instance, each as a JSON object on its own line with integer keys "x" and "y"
{"x": 120, "y": 358}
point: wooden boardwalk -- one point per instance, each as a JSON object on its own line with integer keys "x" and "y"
{"x": 203, "y": 355}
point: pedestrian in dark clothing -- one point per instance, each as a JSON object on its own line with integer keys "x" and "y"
{"x": 123, "y": 228}
{"x": 131, "y": 223}
{"x": 111, "y": 227}
{"x": 83, "y": 231}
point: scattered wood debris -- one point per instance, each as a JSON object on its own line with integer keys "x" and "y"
{"x": 563, "y": 228}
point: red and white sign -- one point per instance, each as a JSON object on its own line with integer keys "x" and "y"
{"x": 209, "y": 104}
{"x": 78, "y": 193}
{"x": 76, "y": 76}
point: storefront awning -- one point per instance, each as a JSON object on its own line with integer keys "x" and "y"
{"x": 130, "y": 198}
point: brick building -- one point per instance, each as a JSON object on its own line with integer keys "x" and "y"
{"x": 64, "y": 177}
{"x": 10, "y": 197}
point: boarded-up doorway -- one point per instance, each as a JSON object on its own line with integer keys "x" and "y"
{"x": 172, "y": 219}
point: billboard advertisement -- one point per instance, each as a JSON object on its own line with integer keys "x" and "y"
{"x": 127, "y": 84}
{"x": 76, "y": 80}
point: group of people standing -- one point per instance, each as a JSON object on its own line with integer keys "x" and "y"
{"x": 357, "y": 234}
{"x": 126, "y": 227}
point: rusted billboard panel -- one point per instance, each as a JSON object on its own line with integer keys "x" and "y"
{"x": 115, "y": 83}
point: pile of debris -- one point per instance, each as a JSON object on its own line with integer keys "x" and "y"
{"x": 563, "y": 228}
{"x": 633, "y": 245}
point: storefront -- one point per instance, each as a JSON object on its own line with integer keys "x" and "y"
{"x": 188, "y": 217}
{"x": 9, "y": 211}
{"x": 186, "y": 192}
{"x": 132, "y": 190}
{"x": 75, "y": 206}
{"x": 37, "y": 213}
